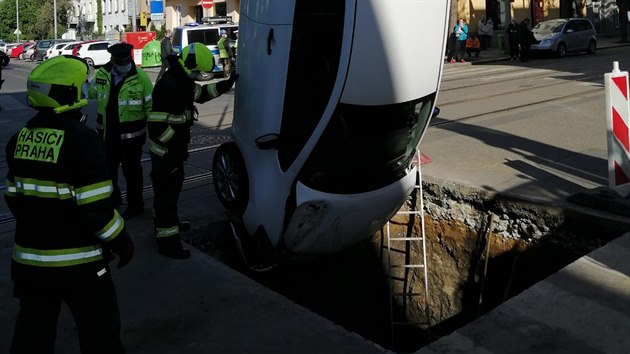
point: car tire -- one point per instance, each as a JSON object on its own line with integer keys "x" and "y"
{"x": 32, "y": 57}
{"x": 90, "y": 63}
{"x": 204, "y": 76}
{"x": 562, "y": 50}
{"x": 592, "y": 46}
{"x": 230, "y": 179}
{"x": 21, "y": 56}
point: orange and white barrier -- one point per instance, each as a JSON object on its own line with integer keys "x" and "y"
{"x": 618, "y": 123}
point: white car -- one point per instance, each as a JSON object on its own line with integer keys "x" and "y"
{"x": 324, "y": 138}
{"x": 68, "y": 48}
{"x": 94, "y": 52}
{"x": 57, "y": 49}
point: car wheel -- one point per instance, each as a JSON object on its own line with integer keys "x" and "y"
{"x": 230, "y": 178}
{"x": 21, "y": 56}
{"x": 90, "y": 63}
{"x": 562, "y": 50}
{"x": 32, "y": 57}
{"x": 204, "y": 76}
{"x": 592, "y": 46}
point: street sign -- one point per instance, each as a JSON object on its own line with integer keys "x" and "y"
{"x": 207, "y": 4}
{"x": 17, "y": 31}
{"x": 618, "y": 123}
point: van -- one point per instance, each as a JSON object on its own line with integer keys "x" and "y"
{"x": 207, "y": 33}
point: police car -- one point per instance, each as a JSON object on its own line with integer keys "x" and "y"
{"x": 208, "y": 33}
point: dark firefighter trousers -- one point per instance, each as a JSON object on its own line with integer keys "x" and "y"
{"x": 167, "y": 175}
{"x": 128, "y": 154}
{"x": 93, "y": 306}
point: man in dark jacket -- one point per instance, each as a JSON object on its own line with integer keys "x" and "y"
{"x": 525, "y": 37}
{"x": 169, "y": 134}
{"x": 58, "y": 189}
{"x": 166, "y": 49}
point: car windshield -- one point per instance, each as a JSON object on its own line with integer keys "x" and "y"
{"x": 548, "y": 27}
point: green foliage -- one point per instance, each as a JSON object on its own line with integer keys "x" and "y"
{"x": 36, "y": 19}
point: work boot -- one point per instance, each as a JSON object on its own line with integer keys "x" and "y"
{"x": 132, "y": 211}
{"x": 184, "y": 226}
{"x": 172, "y": 247}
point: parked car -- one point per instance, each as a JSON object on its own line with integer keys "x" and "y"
{"x": 69, "y": 48}
{"x": 56, "y": 49}
{"x": 42, "y": 47}
{"x": 15, "y": 51}
{"x": 28, "y": 52}
{"x": 3, "y": 47}
{"x": 207, "y": 33}
{"x": 564, "y": 36}
{"x": 94, "y": 52}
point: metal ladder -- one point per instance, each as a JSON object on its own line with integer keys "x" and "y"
{"x": 402, "y": 271}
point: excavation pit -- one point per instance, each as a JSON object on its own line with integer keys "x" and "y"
{"x": 482, "y": 249}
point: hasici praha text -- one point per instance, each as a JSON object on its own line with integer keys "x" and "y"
{"x": 39, "y": 144}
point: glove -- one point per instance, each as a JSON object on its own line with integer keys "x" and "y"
{"x": 124, "y": 249}
{"x": 225, "y": 85}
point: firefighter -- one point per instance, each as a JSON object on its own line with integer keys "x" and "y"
{"x": 123, "y": 94}
{"x": 169, "y": 125}
{"x": 58, "y": 190}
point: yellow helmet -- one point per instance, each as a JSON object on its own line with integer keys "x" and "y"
{"x": 197, "y": 57}
{"x": 57, "y": 83}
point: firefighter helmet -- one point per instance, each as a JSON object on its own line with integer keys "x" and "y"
{"x": 57, "y": 83}
{"x": 197, "y": 57}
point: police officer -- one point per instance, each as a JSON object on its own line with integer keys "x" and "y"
{"x": 225, "y": 54}
{"x": 58, "y": 189}
{"x": 123, "y": 93}
{"x": 169, "y": 134}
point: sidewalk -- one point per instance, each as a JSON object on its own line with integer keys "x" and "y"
{"x": 495, "y": 54}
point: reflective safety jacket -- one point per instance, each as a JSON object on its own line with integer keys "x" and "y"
{"x": 173, "y": 110}
{"x": 224, "y": 48}
{"x": 58, "y": 189}
{"x": 122, "y": 109}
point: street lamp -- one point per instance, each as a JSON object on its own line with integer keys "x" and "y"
{"x": 55, "y": 15}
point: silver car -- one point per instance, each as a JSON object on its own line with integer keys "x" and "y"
{"x": 564, "y": 36}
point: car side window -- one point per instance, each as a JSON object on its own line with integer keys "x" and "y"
{"x": 570, "y": 27}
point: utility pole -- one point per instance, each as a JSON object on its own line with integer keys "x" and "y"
{"x": 55, "y": 15}
{"x": 133, "y": 16}
{"x": 17, "y": 20}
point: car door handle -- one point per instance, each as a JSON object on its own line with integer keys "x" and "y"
{"x": 270, "y": 40}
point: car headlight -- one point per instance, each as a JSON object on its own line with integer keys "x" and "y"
{"x": 545, "y": 42}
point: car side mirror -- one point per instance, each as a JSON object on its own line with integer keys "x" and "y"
{"x": 268, "y": 142}
{"x": 570, "y": 30}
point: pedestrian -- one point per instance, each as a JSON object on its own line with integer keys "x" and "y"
{"x": 166, "y": 49}
{"x": 489, "y": 32}
{"x": 524, "y": 39}
{"x": 461, "y": 35}
{"x": 450, "y": 47}
{"x": 482, "y": 31}
{"x": 169, "y": 125}
{"x": 512, "y": 35}
{"x": 473, "y": 46}
{"x": 225, "y": 54}
{"x": 58, "y": 190}
{"x": 123, "y": 94}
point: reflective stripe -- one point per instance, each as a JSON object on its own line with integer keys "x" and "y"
{"x": 129, "y": 102}
{"x": 57, "y": 258}
{"x": 197, "y": 92}
{"x": 133, "y": 135}
{"x": 157, "y": 117}
{"x": 167, "y": 135}
{"x": 212, "y": 90}
{"x": 11, "y": 190}
{"x": 166, "y": 231}
{"x": 157, "y": 149}
{"x": 148, "y": 98}
{"x": 93, "y": 192}
{"x": 112, "y": 229}
{"x": 43, "y": 189}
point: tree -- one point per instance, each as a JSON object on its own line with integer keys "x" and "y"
{"x": 624, "y": 6}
